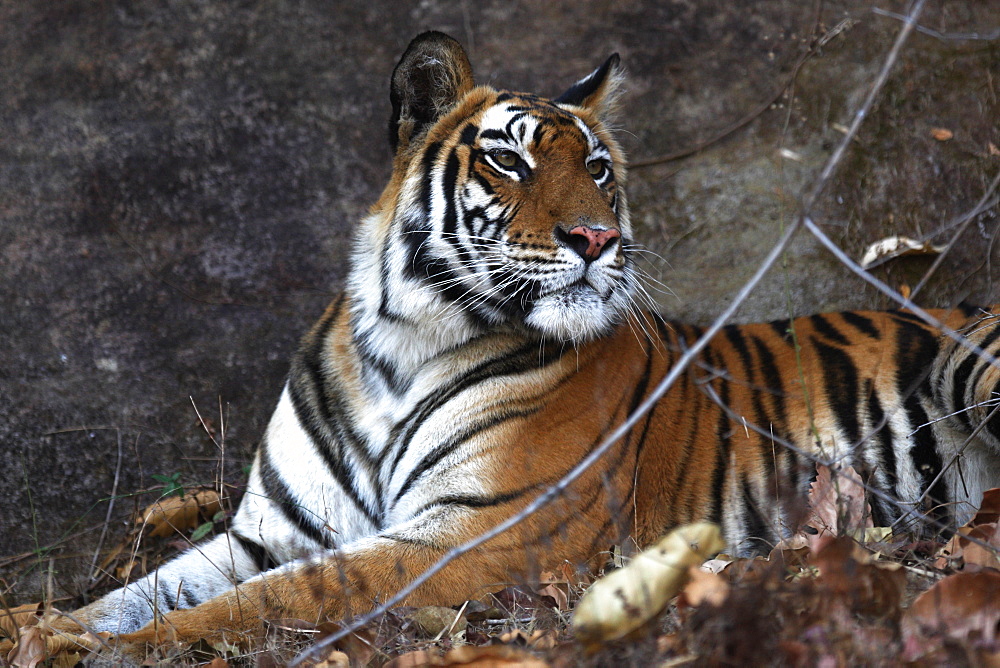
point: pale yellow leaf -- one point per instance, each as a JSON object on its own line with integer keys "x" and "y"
{"x": 627, "y": 598}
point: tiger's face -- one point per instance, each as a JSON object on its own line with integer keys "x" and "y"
{"x": 509, "y": 209}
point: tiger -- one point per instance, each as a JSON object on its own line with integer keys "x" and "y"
{"x": 492, "y": 334}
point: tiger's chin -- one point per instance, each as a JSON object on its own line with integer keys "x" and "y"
{"x": 575, "y": 315}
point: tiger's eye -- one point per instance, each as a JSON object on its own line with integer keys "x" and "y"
{"x": 595, "y": 167}
{"x": 505, "y": 158}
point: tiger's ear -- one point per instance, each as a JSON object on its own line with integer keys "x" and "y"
{"x": 433, "y": 74}
{"x": 599, "y": 90}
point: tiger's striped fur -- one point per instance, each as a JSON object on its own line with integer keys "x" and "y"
{"x": 489, "y": 338}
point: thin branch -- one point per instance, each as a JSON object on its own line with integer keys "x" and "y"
{"x": 943, "y": 36}
{"x": 961, "y": 450}
{"x": 904, "y": 302}
{"x": 960, "y": 221}
{"x": 981, "y": 206}
{"x": 107, "y": 516}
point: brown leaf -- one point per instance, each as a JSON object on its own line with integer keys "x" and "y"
{"x": 703, "y": 588}
{"x": 717, "y": 564}
{"x": 335, "y": 659}
{"x": 793, "y": 552}
{"x": 358, "y": 645}
{"x": 37, "y": 643}
{"x": 12, "y": 619}
{"x": 517, "y": 601}
{"x": 514, "y": 637}
{"x": 961, "y": 606}
{"x": 420, "y": 657}
{"x": 30, "y": 649}
{"x": 989, "y": 509}
{"x": 491, "y": 656}
{"x": 837, "y": 502}
{"x": 175, "y": 513}
{"x": 477, "y": 611}
{"x": 975, "y": 554}
{"x": 851, "y": 576}
{"x": 543, "y": 639}
{"x": 982, "y": 526}
{"x": 558, "y": 593}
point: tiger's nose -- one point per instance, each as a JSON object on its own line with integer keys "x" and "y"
{"x": 588, "y": 242}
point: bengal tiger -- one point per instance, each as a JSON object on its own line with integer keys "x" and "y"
{"x": 491, "y": 335}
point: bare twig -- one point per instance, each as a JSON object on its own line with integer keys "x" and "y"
{"x": 904, "y": 302}
{"x": 943, "y": 36}
{"x": 107, "y": 516}
{"x": 965, "y": 444}
{"x": 983, "y": 204}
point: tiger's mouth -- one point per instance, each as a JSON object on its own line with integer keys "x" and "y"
{"x": 579, "y": 290}
{"x": 580, "y": 310}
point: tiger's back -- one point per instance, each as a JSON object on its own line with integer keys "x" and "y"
{"x": 492, "y": 336}
{"x": 860, "y": 389}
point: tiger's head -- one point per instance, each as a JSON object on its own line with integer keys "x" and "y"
{"x": 504, "y": 208}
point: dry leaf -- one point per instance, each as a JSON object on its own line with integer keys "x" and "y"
{"x": 514, "y": 637}
{"x": 175, "y": 513}
{"x": 434, "y": 621}
{"x": 717, "y": 565}
{"x": 626, "y": 599}
{"x": 703, "y": 588}
{"x": 30, "y": 649}
{"x": 556, "y": 587}
{"x": 543, "y": 639}
{"x": 989, "y": 509}
{"x": 893, "y": 247}
{"x": 993, "y": 149}
{"x": 961, "y": 550}
{"x": 537, "y": 640}
{"x": 37, "y": 643}
{"x": 973, "y": 553}
{"x": 491, "y": 656}
{"x": 420, "y": 657}
{"x": 335, "y": 659}
{"x": 852, "y": 576}
{"x": 12, "y": 619}
{"x": 358, "y": 645}
{"x": 837, "y": 504}
{"x": 942, "y": 134}
{"x": 961, "y": 606}
{"x": 983, "y": 527}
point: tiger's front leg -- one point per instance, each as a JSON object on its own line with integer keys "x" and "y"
{"x": 353, "y": 580}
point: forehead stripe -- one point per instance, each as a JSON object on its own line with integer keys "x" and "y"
{"x": 469, "y": 134}
{"x": 427, "y": 165}
{"x": 449, "y": 179}
{"x": 494, "y": 134}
